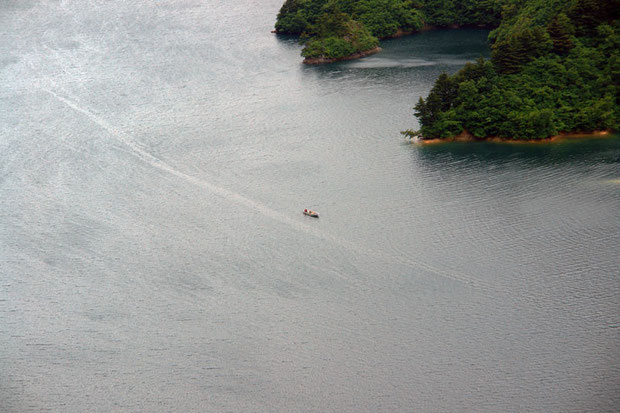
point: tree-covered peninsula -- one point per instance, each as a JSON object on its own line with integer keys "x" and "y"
{"x": 554, "y": 68}
{"x": 334, "y": 30}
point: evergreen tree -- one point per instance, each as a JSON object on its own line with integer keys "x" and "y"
{"x": 523, "y": 46}
{"x": 560, "y": 30}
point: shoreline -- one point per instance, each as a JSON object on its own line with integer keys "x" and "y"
{"x": 399, "y": 33}
{"x": 324, "y": 60}
{"x": 468, "y": 137}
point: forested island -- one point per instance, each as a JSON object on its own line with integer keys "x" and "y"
{"x": 554, "y": 67}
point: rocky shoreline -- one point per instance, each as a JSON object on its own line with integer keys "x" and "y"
{"x": 323, "y": 60}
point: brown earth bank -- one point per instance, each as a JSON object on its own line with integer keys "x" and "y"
{"x": 323, "y": 60}
{"x": 468, "y": 137}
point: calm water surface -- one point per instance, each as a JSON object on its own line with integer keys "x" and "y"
{"x": 155, "y": 158}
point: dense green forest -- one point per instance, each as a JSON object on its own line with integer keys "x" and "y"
{"x": 335, "y": 29}
{"x": 555, "y": 67}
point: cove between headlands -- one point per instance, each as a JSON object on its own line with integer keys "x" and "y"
{"x": 323, "y": 59}
{"x": 552, "y": 72}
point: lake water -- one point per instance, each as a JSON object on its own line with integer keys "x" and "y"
{"x": 155, "y": 158}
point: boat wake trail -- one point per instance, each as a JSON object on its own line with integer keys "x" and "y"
{"x": 157, "y": 163}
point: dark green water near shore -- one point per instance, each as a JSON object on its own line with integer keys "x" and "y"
{"x": 155, "y": 158}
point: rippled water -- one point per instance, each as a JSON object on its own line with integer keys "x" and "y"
{"x": 154, "y": 161}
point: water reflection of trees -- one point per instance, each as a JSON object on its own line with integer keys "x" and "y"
{"x": 485, "y": 155}
{"x": 424, "y": 56}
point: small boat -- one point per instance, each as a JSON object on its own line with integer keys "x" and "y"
{"x": 311, "y": 213}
